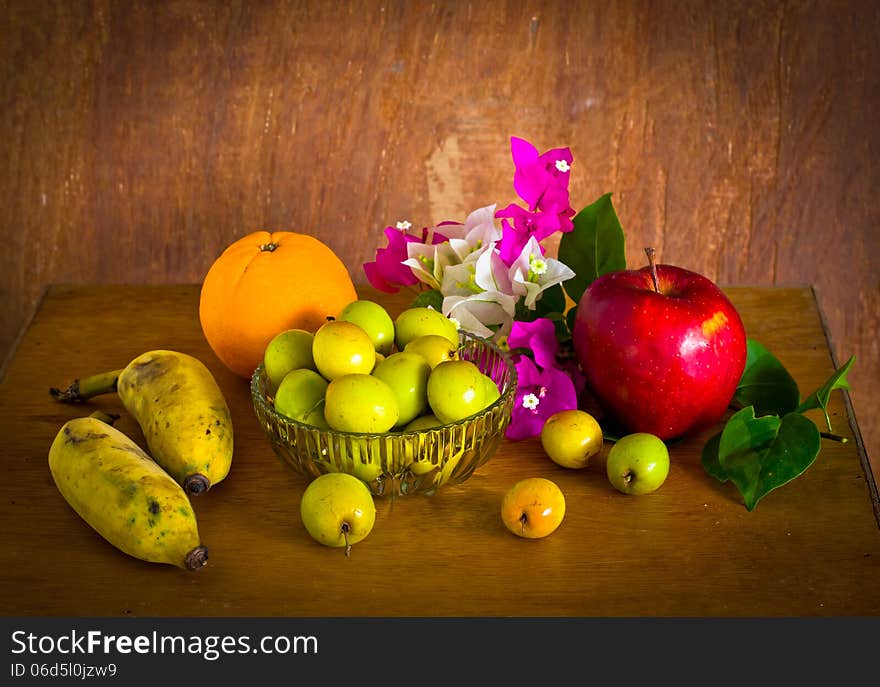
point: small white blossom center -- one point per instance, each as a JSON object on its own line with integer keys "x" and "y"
{"x": 404, "y": 225}
{"x": 530, "y": 401}
{"x": 562, "y": 165}
{"x": 537, "y": 265}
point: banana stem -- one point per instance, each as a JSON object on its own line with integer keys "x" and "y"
{"x": 86, "y": 388}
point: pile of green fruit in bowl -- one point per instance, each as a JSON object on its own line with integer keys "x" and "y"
{"x": 406, "y": 405}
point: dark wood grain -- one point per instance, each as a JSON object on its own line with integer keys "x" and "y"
{"x": 739, "y": 138}
{"x": 810, "y": 548}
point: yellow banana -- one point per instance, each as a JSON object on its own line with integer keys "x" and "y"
{"x": 124, "y": 495}
{"x": 180, "y": 409}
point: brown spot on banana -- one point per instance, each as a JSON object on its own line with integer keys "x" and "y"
{"x": 145, "y": 369}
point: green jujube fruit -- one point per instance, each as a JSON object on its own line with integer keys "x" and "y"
{"x": 374, "y": 320}
{"x": 456, "y": 390}
{"x": 288, "y": 350}
{"x": 407, "y": 375}
{"x": 415, "y": 322}
{"x": 300, "y": 396}
{"x": 341, "y": 348}
{"x": 360, "y": 403}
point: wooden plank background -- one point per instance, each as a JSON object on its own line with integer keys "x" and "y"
{"x": 739, "y": 138}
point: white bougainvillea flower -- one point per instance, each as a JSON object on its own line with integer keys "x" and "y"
{"x": 487, "y": 314}
{"x": 533, "y": 272}
{"x": 483, "y": 270}
{"x": 428, "y": 261}
{"x": 491, "y": 272}
{"x": 458, "y": 230}
{"x": 478, "y": 231}
{"x": 460, "y": 280}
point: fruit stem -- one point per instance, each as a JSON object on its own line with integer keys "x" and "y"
{"x": 197, "y": 558}
{"x": 833, "y": 437}
{"x": 345, "y": 530}
{"x": 196, "y": 484}
{"x": 650, "y": 252}
{"x": 627, "y": 476}
{"x": 523, "y": 519}
{"x": 86, "y": 388}
{"x": 108, "y": 418}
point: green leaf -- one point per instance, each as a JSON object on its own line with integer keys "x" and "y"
{"x": 552, "y": 300}
{"x": 594, "y": 247}
{"x": 766, "y": 384}
{"x": 819, "y": 398}
{"x": 430, "y": 298}
{"x": 711, "y": 463}
{"x": 563, "y": 333}
{"x": 764, "y": 453}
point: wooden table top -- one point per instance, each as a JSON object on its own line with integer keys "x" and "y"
{"x": 810, "y": 548}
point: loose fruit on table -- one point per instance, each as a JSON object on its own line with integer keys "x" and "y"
{"x": 337, "y": 509}
{"x": 571, "y": 438}
{"x": 533, "y": 507}
{"x": 638, "y": 463}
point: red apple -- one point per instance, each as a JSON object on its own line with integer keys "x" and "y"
{"x": 662, "y": 348}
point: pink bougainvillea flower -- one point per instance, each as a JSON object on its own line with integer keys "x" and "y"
{"x": 539, "y": 394}
{"x": 541, "y": 180}
{"x": 388, "y": 272}
{"x": 538, "y": 336}
{"x": 527, "y": 225}
{"x": 537, "y": 224}
{"x": 555, "y": 201}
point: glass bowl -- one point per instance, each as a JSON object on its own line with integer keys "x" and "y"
{"x": 398, "y": 463}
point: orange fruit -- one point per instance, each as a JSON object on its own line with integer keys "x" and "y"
{"x": 265, "y": 283}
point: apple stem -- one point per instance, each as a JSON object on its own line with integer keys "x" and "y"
{"x": 833, "y": 437}
{"x": 345, "y": 530}
{"x": 523, "y": 519}
{"x": 650, "y": 252}
{"x": 628, "y": 476}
